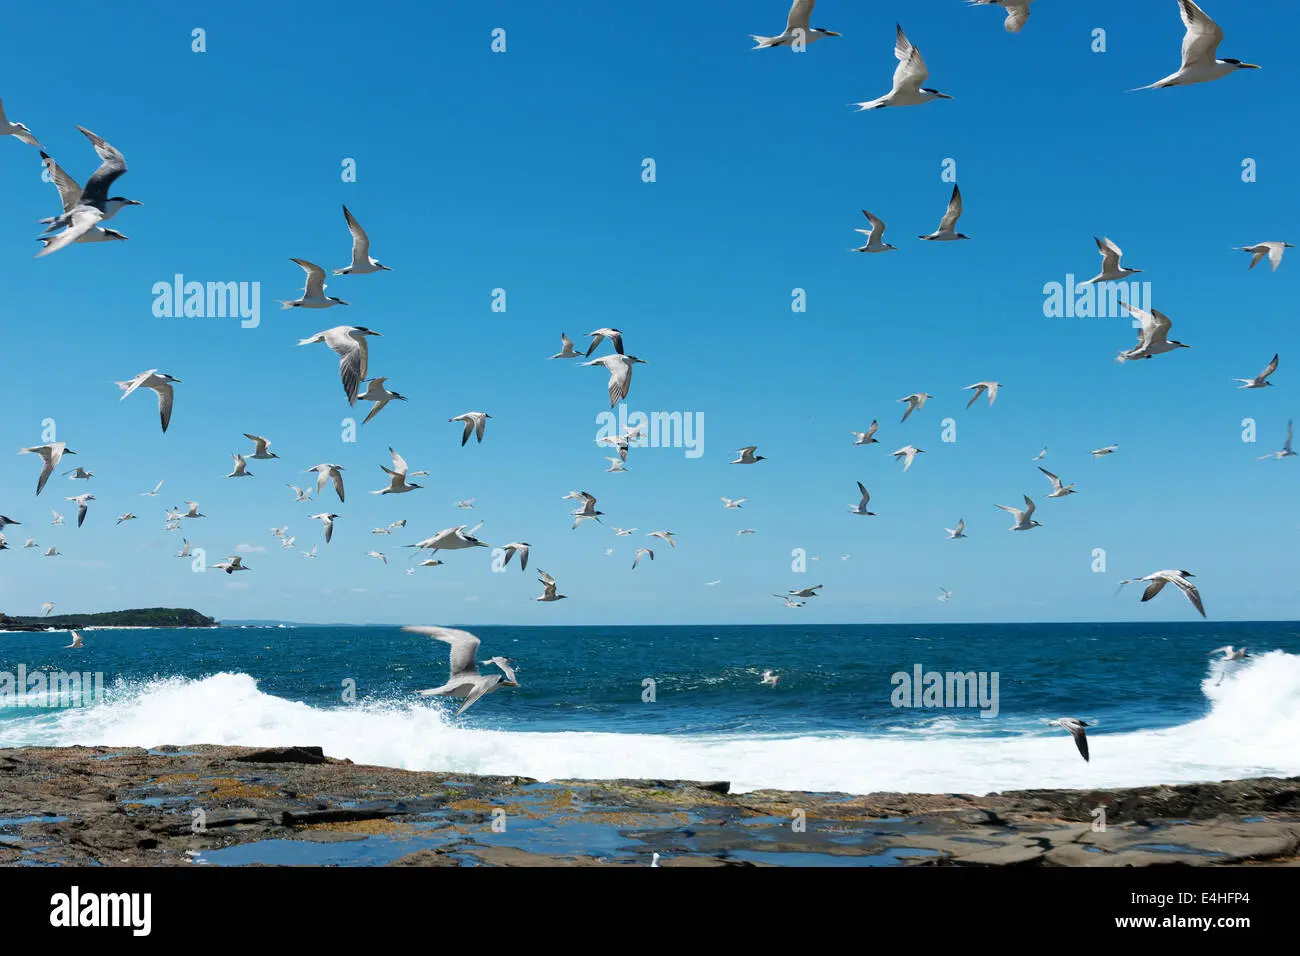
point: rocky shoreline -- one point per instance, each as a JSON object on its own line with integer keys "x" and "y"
{"x": 204, "y": 804}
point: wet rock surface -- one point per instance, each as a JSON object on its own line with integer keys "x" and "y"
{"x": 246, "y": 806}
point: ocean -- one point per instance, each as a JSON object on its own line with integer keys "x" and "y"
{"x": 687, "y": 702}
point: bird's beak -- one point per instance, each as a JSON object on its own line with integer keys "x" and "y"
{"x": 1251, "y": 66}
{"x": 945, "y": 96}
{"x": 134, "y": 202}
{"x": 510, "y": 683}
{"x": 832, "y": 33}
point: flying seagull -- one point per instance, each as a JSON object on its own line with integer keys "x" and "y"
{"x": 1102, "y": 452}
{"x": 397, "y": 475}
{"x": 50, "y": 454}
{"x": 947, "y": 231}
{"x": 1076, "y": 729}
{"x": 79, "y": 473}
{"x": 549, "y": 586}
{"x": 1231, "y": 654}
{"x": 1200, "y": 43}
{"x": 907, "y": 454}
{"x": 23, "y": 134}
{"x": 450, "y": 539}
{"x": 914, "y": 401}
{"x": 566, "y": 349}
{"x": 1017, "y": 12}
{"x": 349, "y": 343}
{"x": 520, "y": 548}
{"x": 154, "y": 493}
{"x": 1286, "y": 451}
{"x": 946, "y": 596}
{"x": 664, "y": 536}
{"x": 615, "y": 339}
{"x": 979, "y": 388}
{"x": 377, "y": 393}
{"x": 805, "y": 592}
{"x": 1058, "y": 490}
{"x": 361, "y": 262}
{"x": 126, "y": 517}
{"x": 377, "y": 554}
{"x": 641, "y": 552}
{"x": 262, "y": 446}
{"x": 874, "y": 235}
{"x": 619, "y": 367}
{"x": 232, "y": 564}
{"x": 83, "y": 505}
{"x": 1153, "y": 337}
{"x": 328, "y": 519}
{"x": 326, "y": 472}
{"x": 770, "y": 679}
{"x": 789, "y": 601}
{"x": 475, "y": 422}
{"x": 313, "y": 293}
{"x": 300, "y": 494}
{"x": 161, "y": 383}
{"x": 1157, "y": 580}
{"x": 465, "y": 681}
{"x": 1024, "y": 519}
{"x": 1260, "y": 380}
{"x": 1111, "y": 270}
{"x": 241, "y": 468}
{"x": 76, "y": 641}
{"x": 908, "y": 77}
{"x": 193, "y": 511}
{"x": 1041, "y": 455}
{"x": 70, "y": 194}
{"x": 89, "y": 209}
{"x": 797, "y": 30}
{"x": 732, "y": 502}
{"x": 1273, "y": 250}
{"x": 867, "y": 437}
{"x": 747, "y": 456}
{"x": 861, "y": 507}
{"x": 959, "y": 531}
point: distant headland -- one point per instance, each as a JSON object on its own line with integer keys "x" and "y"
{"x": 137, "y": 617}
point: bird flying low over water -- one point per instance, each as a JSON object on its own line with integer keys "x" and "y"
{"x": 465, "y": 681}
{"x": 161, "y": 383}
{"x": 348, "y": 342}
{"x": 76, "y": 641}
{"x": 908, "y": 77}
{"x": 313, "y": 293}
{"x": 1017, "y": 12}
{"x": 797, "y": 30}
{"x": 1230, "y": 653}
{"x": 90, "y": 207}
{"x": 1157, "y": 580}
{"x": 1273, "y": 250}
{"x": 361, "y": 262}
{"x": 1200, "y": 44}
{"x": 1260, "y": 380}
{"x": 770, "y": 679}
{"x": 1076, "y": 728}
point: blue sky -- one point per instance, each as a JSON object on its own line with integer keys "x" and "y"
{"x": 522, "y": 171}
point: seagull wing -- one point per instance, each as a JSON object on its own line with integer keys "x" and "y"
{"x": 464, "y": 647}
{"x": 399, "y": 463}
{"x": 1203, "y": 36}
{"x": 504, "y": 664}
{"x": 112, "y": 166}
{"x": 338, "y": 481}
{"x": 1056, "y": 482}
{"x": 166, "y": 395}
{"x": 800, "y": 15}
{"x": 1110, "y": 254}
{"x": 1154, "y": 588}
{"x": 353, "y": 355}
{"x": 1275, "y": 250}
{"x": 911, "y": 71}
{"x": 1272, "y": 367}
{"x": 1029, "y": 507}
{"x": 1080, "y": 740}
{"x": 1160, "y": 326}
{"x": 360, "y": 242}
{"x": 950, "y": 217}
{"x": 1190, "y": 592}
{"x": 315, "y": 287}
{"x": 1017, "y": 17}
{"x": 620, "y": 382}
{"x": 69, "y": 191}
{"x": 877, "y": 227}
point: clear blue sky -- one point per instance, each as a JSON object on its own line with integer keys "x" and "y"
{"x": 522, "y": 171}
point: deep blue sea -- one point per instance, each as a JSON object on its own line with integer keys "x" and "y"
{"x": 1162, "y": 711}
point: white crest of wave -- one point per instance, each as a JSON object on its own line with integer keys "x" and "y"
{"x": 1252, "y": 729}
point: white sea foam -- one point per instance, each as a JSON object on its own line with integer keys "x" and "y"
{"x": 1252, "y": 729}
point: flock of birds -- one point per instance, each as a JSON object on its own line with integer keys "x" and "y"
{"x": 85, "y": 209}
